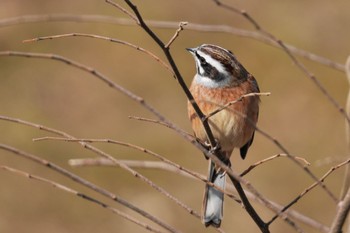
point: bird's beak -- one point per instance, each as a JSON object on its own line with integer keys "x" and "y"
{"x": 191, "y": 50}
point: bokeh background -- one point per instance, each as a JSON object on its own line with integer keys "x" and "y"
{"x": 62, "y": 97}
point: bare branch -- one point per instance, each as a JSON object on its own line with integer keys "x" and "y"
{"x": 260, "y": 199}
{"x": 103, "y": 78}
{"x": 85, "y": 68}
{"x": 152, "y": 55}
{"x": 296, "y": 161}
{"x": 283, "y": 46}
{"x": 181, "y": 27}
{"x": 251, "y": 167}
{"x": 167, "y": 162}
{"x": 161, "y": 165}
{"x": 78, "y": 179}
{"x": 285, "y": 151}
{"x": 321, "y": 180}
{"x": 346, "y": 183}
{"x": 130, "y": 95}
{"x": 125, "y": 11}
{"x": 238, "y": 11}
{"x": 142, "y": 164}
{"x": 342, "y": 214}
{"x": 170, "y": 25}
{"x": 235, "y": 101}
{"x": 81, "y": 195}
{"x": 118, "y": 163}
{"x": 190, "y": 137}
{"x": 166, "y": 50}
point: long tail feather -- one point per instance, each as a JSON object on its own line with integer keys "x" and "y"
{"x": 213, "y": 199}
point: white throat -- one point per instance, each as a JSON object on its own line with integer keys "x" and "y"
{"x": 210, "y": 83}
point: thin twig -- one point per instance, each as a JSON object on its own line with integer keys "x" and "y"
{"x": 251, "y": 167}
{"x": 235, "y": 101}
{"x": 143, "y": 164}
{"x": 181, "y": 27}
{"x": 190, "y": 136}
{"x": 122, "y": 9}
{"x": 152, "y": 55}
{"x": 81, "y": 195}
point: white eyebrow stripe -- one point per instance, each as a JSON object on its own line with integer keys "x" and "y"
{"x": 212, "y": 62}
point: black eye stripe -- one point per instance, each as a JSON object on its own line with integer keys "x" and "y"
{"x": 201, "y": 59}
{"x": 198, "y": 56}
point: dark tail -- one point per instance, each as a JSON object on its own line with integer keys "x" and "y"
{"x": 213, "y": 199}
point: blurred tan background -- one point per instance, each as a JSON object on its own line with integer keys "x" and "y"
{"x": 61, "y": 97}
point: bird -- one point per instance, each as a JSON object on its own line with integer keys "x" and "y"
{"x": 220, "y": 79}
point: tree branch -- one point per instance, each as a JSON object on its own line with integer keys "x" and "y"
{"x": 169, "y": 25}
{"x": 81, "y": 195}
{"x": 78, "y": 179}
{"x": 283, "y": 46}
{"x": 342, "y": 213}
{"x": 152, "y": 55}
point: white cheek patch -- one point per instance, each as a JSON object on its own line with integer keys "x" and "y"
{"x": 199, "y": 67}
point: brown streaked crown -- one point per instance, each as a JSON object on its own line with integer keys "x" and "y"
{"x": 207, "y": 55}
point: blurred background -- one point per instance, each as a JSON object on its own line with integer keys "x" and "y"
{"x": 59, "y": 96}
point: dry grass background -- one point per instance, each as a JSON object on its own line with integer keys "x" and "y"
{"x": 59, "y": 96}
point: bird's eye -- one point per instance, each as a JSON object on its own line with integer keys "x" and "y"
{"x": 203, "y": 61}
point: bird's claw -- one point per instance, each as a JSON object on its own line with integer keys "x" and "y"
{"x": 213, "y": 149}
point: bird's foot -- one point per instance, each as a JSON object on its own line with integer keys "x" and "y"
{"x": 212, "y": 149}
